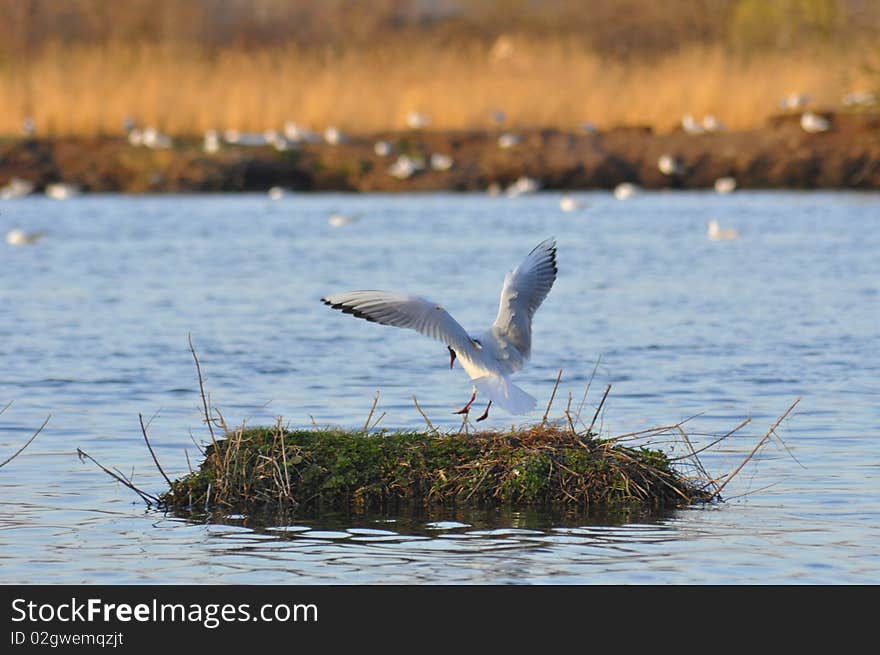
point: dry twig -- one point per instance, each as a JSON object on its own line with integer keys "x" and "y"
{"x": 756, "y": 448}
{"x": 27, "y": 443}
{"x": 552, "y": 396}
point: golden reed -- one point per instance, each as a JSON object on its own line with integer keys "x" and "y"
{"x": 547, "y": 83}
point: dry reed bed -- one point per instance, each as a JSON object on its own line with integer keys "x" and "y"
{"x": 559, "y": 464}
{"x": 538, "y": 83}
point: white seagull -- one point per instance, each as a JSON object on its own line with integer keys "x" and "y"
{"x": 489, "y": 358}
{"x": 18, "y": 237}
{"x": 725, "y": 184}
{"x": 568, "y": 203}
{"x": 716, "y": 233}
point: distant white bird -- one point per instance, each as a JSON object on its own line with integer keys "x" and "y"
{"x": 250, "y": 139}
{"x": 18, "y": 237}
{"x": 153, "y": 138}
{"x": 568, "y": 203}
{"x": 489, "y": 358}
{"x": 334, "y": 136}
{"x": 405, "y": 167}
{"x": 277, "y": 140}
{"x": 417, "y": 121}
{"x": 508, "y": 140}
{"x": 522, "y": 186}
{"x": 28, "y": 127}
{"x": 211, "y": 143}
{"x": 340, "y": 220}
{"x": 814, "y": 123}
{"x": 715, "y": 232}
{"x": 16, "y": 188}
{"x": 725, "y": 184}
{"x": 625, "y": 190}
{"x": 277, "y": 193}
{"x": 441, "y": 162}
{"x": 712, "y": 124}
{"x": 382, "y": 148}
{"x": 859, "y": 99}
{"x": 298, "y": 134}
{"x": 690, "y": 125}
{"x": 794, "y": 101}
{"x": 62, "y": 191}
{"x": 670, "y": 165}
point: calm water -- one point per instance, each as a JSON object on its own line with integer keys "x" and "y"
{"x": 93, "y": 329}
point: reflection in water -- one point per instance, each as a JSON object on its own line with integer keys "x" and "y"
{"x": 94, "y": 330}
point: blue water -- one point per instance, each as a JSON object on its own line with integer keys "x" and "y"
{"x": 93, "y": 330}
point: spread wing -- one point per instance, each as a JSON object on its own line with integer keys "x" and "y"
{"x": 524, "y": 290}
{"x": 405, "y": 311}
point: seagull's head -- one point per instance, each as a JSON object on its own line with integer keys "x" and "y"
{"x": 451, "y": 357}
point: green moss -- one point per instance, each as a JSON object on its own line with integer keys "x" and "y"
{"x": 267, "y": 469}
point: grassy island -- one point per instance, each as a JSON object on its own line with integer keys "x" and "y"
{"x": 270, "y": 469}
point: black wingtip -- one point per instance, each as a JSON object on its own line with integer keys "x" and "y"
{"x": 551, "y": 249}
{"x": 348, "y": 309}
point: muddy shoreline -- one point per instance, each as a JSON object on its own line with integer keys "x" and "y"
{"x": 779, "y": 155}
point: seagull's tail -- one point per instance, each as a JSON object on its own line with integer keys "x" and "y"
{"x": 501, "y": 391}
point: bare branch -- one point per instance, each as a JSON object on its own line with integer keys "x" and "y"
{"x": 424, "y": 416}
{"x": 147, "y": 497}
{"x": 202, "y": 391}
{"x": 756, "y": 448}
{"x": 552, "y": 396}
{"x": 370, "y": 415}
{"x": 599, "y": 408}
{"x": 587, "y": 390}
{"x": 27, "y": 443}
{"x": 150, "y": 448}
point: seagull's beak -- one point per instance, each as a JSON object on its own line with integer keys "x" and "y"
{"x": 451, "y": 357}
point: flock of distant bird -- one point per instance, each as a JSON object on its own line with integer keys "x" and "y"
{"x": 405, "y": 165}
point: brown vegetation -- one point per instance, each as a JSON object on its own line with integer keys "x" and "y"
{"x": 780, "y": 155}
{"x": 81, "y": 67}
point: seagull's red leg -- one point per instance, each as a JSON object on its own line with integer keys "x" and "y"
{"x": 486, "y": 413}
{"x": 467, "y": 408}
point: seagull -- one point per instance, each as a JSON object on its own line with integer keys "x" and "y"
{"x": 417, "y": 121}
{"x": 61, "y": 190}
{"x": 859, "y": 99}
{"x": 690, "y": 125}
{"x": 211, "y": 143}
{"x": 625, "y": 190}
{"x": 670, "y": 165}
{"x": 712, "y": 124}
{"x": 441, "y": 162}
{"x": 382, "y": 148}
{"x": 405, "y": 167}
{"x": 522, "y": 185}
{"x": 794, "y": 101}
{"x": 814, "y": 123}
{"x": 717, "y": 234}
{"x": 725, "y": 184}
{"x": 340, "y": 220}
{"x": 567, "y": 203}
{"x": 18, "y": 237}
{"x": 489, "y": 358}
{"x": 333, "y": 136}
{"x": 508, "y": 140}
